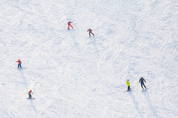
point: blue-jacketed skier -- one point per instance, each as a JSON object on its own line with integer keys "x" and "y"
{"x": 142, "y": 80}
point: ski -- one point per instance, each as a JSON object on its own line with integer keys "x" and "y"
{"x": 20, "y": 68}
{"x": 144, "y": 90}
{"x": 131, "y": 89}
{"x": 31, "y": 98}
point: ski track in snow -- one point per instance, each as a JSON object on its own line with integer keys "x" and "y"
{"x": 76, "y": 76}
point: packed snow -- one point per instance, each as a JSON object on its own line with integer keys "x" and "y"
{"x": 73, "y": 75}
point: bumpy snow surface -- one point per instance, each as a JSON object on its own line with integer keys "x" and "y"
{"x": 73, "y": 75}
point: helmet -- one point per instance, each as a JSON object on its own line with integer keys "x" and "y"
{"x": 128, "y": 80}
{"x": 30, "y": 90}
{"x": 18, "y": 59}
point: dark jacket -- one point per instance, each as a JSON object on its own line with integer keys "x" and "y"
{"x": 142, "y": 80}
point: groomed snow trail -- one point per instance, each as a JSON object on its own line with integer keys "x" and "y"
{"x": 74, "y": 76}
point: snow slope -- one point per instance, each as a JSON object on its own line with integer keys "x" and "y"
{"x": 74, "y": 76}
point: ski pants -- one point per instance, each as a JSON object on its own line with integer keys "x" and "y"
{"x": 70, "y": 26}
{"x": 91, "y": 33}
{"x": 30, "y": 96}
{"x": 19, "y": 65}
{"x": 128, "y": 88}
{"x": 142, "y": 84}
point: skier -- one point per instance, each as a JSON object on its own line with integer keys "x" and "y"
{"x": 142, "y": 80}
{"x": 128, "y": 84}
{"x": 90, "y": 32}
{"x": 69, "y": 25}
{"x": 29, "y": 93}
{"x": 19, "y": 63}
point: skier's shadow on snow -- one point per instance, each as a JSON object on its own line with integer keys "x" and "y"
{"x": 24, "y": 79}
{"x": 152, "y": 108}
{"x": 72, "y": 33}
{"x": 94, "y": 43}
{"x": 33, "y": 106}
{"x": 135, "y": 103}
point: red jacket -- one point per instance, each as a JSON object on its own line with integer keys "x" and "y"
{"x": 19, "y": 62}
{"x": 29, "y": 92}
{"x": 89, "y": 30}
{"x": 69, "y": 23}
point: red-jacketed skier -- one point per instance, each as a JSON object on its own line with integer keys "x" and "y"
{"x": 90, "y": 32}
{"x": 69, "y": 25}
{"x": 19, "y": 63}
{"x": 30, "y": 94}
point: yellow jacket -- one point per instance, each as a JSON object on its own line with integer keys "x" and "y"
{"x": 127, "y": 82}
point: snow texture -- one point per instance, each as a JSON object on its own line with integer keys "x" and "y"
{"x": 73, "y": 75}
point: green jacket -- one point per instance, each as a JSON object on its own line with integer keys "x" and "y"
{"x": 128, "y": 83}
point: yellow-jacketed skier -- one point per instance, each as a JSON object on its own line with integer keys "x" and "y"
{"x": 128, "y": 84}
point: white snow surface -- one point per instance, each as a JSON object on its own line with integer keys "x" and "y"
{"x": 73, "y": 75}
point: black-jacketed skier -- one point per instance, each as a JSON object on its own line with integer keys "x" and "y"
{"x": 142, "y": 80}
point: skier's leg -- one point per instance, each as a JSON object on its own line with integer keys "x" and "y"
{"x": 18, "y": 65}
{"x": 92, "y": 33}
{"x": 68, "y": 26}
{"x": 142, "y": 85}
{"x": 128, "y": 88}
{"x": 71, "y": 26}
{"x": 89, "y": 33}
